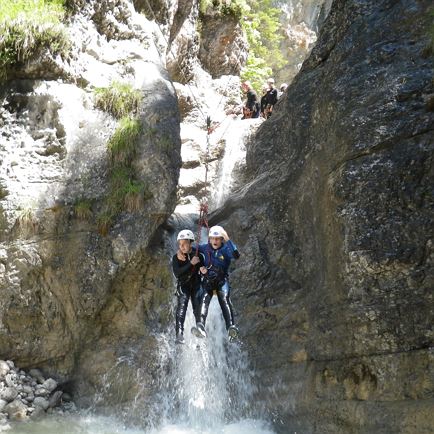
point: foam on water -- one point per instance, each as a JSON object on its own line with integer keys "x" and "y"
{"x": 82, "y": 424}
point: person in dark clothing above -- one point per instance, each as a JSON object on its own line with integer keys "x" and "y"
{"x": 186, "y": 269}
{"x": 264, "y": 100}
{"x": 271, "y": 97}
{"x": 251, "y": 107}
{"x": 218, "y": 253}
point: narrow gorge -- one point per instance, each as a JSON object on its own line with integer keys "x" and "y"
{"x": 105, "y": 154}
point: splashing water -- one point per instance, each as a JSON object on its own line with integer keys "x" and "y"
{"x": 207, "y": 390}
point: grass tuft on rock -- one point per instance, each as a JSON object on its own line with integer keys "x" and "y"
{"x": 126, "y": 193}
{"x": 27, "y": 28}
{"x": 83, "y": 209}
{"x": 122, "y": 145}
{"x": 104, "y": 223}
{"x": 27, "y": 221}
{"x": 135, "y": 195}
{"x": 119, "y": 99}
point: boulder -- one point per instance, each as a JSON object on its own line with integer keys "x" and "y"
{"x": 49, "y": 384}
{"x": 8, "y": 394}
{"x": 16, "y": 410}
{"x": 41, "y": 402}
{"x": 4, "y": 369}
{"x": 334, "y": 228}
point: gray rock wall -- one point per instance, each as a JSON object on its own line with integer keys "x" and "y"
{"x": 74, "y": 301}
{"x": 334, "y": 287}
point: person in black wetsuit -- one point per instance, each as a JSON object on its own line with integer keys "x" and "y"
{"x": 264, "y": 100}
{"x": 271, "y": 97}
{"x": 218, "y": 252}
{"x": 186, "y": 269}
{"x": 252, "y": 107}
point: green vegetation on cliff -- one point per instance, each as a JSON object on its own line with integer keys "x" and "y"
{"x": 27, "y": 28}
{"x": 261, "y": 24}
{"x": 263, "y": 31}
{"x": 123, "y": 143}
{"x": 125, "y": 191}
{"x": 119, "y": 99}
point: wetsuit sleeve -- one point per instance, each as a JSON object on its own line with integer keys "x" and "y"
{"x": 272, "y": 98}
{"x": 179, "y": 270}
{"x": 232, "y": 250}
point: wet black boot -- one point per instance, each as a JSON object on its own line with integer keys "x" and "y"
{"x": 199, "y": 330}
{"x": 233, "y": 333}
{"x": 180, "y": 338}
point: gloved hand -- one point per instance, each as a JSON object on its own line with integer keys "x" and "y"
{"x": 195, "y": 260}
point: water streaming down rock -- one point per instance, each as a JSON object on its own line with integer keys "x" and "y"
{"x": 235, "y": 135}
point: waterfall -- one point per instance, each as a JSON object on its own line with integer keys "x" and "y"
{"x": 206, "y": 388}
{"x": 209, "y": 389}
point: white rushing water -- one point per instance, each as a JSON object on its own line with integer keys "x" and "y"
{"x": 235, "y": 134}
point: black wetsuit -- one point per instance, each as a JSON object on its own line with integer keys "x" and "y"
{"x": 252, "y": 103}
{"x": 272, "y": 96}
{"x": 217, "y": 262}
{"x": 263, "y": 103}
{"x": 188, "y": 286}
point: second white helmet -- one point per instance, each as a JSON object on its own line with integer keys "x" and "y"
{"x": 216, "y": 231}
{"x": 185, "y": 234}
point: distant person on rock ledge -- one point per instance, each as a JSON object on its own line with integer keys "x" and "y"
{"x": 218, "y": 253}
{"x": 271, "y": 98}
{"x": 251, "y": 108}
{"x": 264, "y": 100}
{"x": 283, "y": 88}
{"x": 186, "y": 269}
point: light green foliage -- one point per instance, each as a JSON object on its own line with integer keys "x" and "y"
{"x": 38, "y": 11}
{"x": 264, "y": 33}
{"x": 119, "y": 99}
{"x": 123, "y": 144}
{"x": 26, "y": 28}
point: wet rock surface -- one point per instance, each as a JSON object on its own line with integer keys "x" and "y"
{"x": 334, "y": 288}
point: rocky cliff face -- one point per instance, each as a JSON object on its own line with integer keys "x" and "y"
{"x": 301, "y": 21}
{"x": 334, "y": 288}
{"x": 75, "y": 296}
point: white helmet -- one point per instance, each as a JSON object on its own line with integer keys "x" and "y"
{"x": 185, "y": 234}
{"x": 216, "y": 231}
